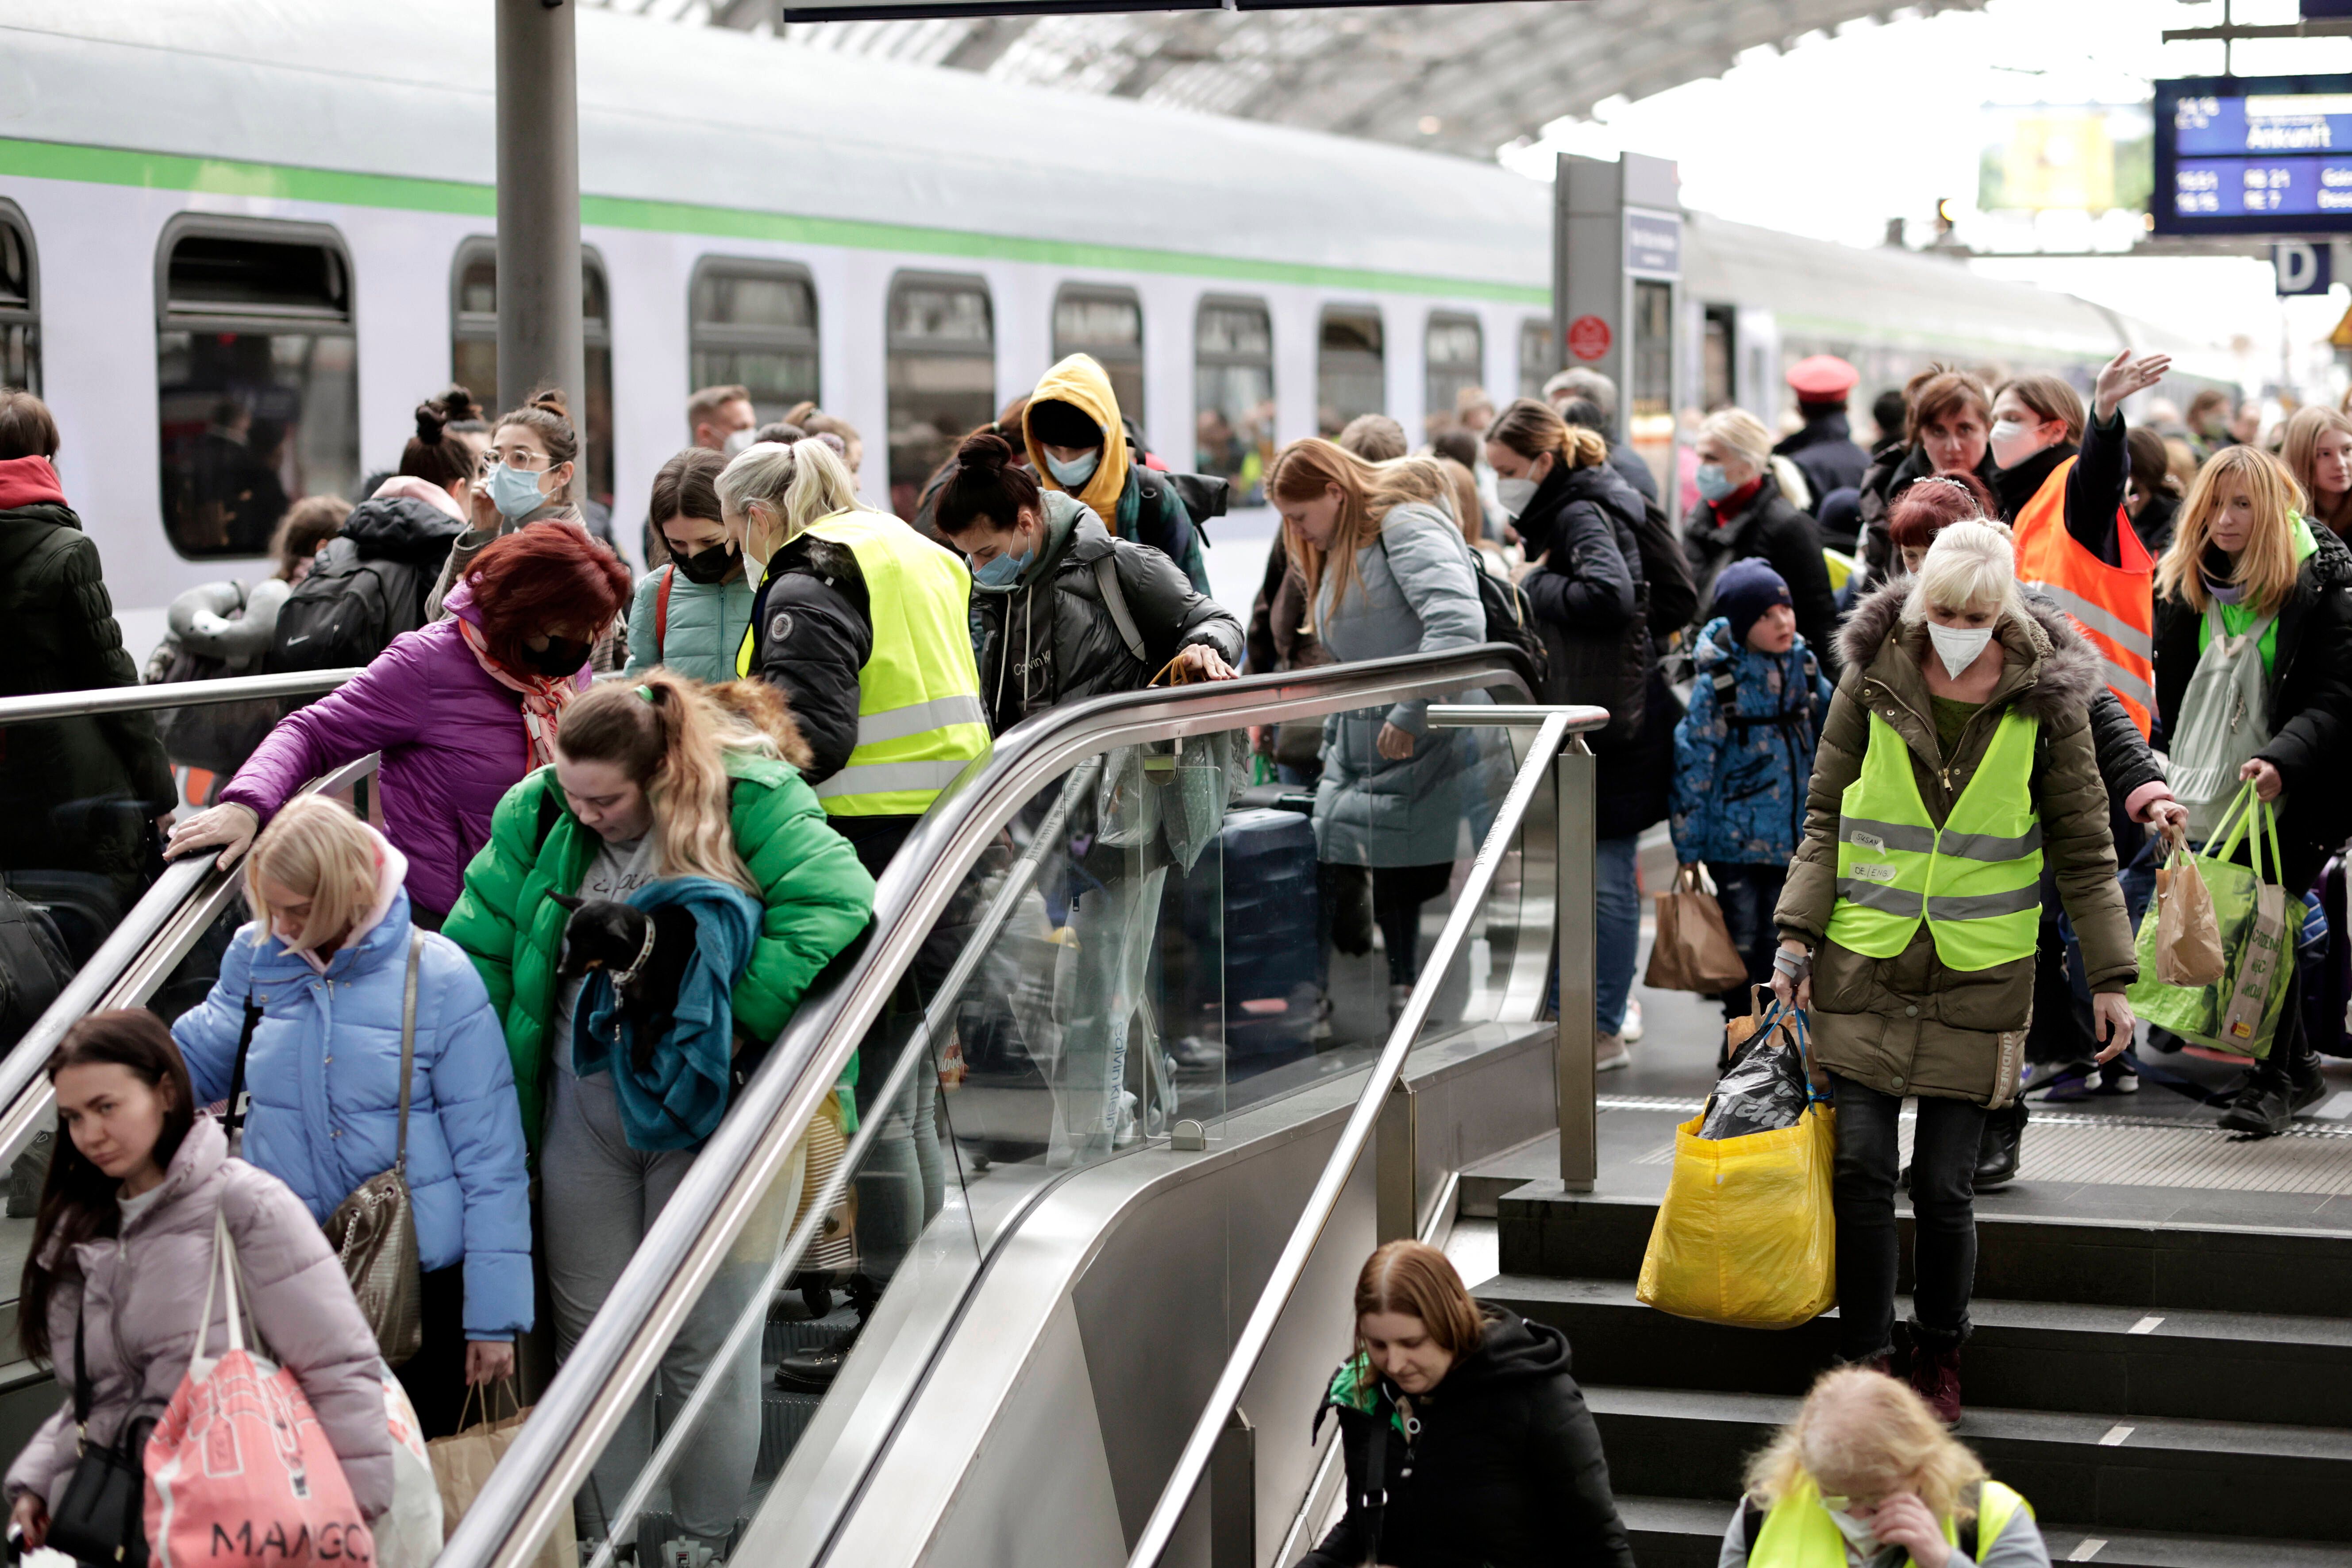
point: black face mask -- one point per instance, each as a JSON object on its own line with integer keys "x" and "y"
{"x": 708, "y": 565}
{"x": 560, "y": 657}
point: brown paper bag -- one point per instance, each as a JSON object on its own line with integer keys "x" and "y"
{"x": 1693, "y": 951}
{"x": 462, "y": 1463}
{"x": 2187, "y": 938}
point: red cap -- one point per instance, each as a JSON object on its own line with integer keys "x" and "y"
{"x": 1822, "y": 378}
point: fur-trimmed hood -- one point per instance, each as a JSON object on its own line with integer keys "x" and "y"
{"x": 2068, "y": 671}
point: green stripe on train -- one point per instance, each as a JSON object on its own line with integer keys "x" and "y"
{"x": 284, "y": 182}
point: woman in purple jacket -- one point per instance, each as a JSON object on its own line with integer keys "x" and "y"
{"x": 461, "y": 710}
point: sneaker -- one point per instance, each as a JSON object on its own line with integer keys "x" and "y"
{"x": 1129, "y": 1129}
{"x": 2070, "y": 1084}
{"x": 1935, "y": 1378}
{"x": 1632, "y": 1028}
{"x": 1611, "y": 1052}
{"x": 1320, "y": 1030}
{"x": 2119, "y": 1077}
{"x": 811, "y": 1372}
{"x": 2268, "y": 1102}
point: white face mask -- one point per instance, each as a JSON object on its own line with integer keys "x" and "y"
{"x": 1958, "y": 647}
{"x": 1515, "y": 494}
{"x": 1858, "y": 1535}
{"x": 2014, "y": 441}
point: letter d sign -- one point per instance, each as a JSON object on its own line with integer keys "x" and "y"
{"x": 2302, "y": 266}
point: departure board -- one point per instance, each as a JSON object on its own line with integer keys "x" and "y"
{"x": 2253, "y": 155}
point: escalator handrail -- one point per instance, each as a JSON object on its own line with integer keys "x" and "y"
{"x": 175, "y": 694}
{"x": 1192, "y": 1463}
{"x": 577, "y": 1413}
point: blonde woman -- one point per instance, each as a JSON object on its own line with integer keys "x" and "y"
{"x": 2244, "y": 562}
{"x": 2318, "y": 453}
{"x": 1956, "y": 780}
{"x": 326, "y": 965}
{"x": 1865, "y": 1466}
{"x": 1750, "y": 511}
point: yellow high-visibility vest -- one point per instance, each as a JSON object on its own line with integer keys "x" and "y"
{"x": 1798, "y": 1533}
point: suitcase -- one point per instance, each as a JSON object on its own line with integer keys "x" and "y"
{"x": 1264, "y": 899}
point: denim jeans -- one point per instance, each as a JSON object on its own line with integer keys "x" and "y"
{"x": 1747, "y": 895}
{"x": 1617, "y": 930}
{"x": 1943, "y": 1196}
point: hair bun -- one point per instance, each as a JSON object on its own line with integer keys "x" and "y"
{"x": 432, "y": 418}
{"x": 985, "y": 451}
{"x": 458, "y": 406}
{"x": 552, "y": 399}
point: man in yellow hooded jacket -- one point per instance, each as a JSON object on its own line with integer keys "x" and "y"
{"x": 1077, "y": 443}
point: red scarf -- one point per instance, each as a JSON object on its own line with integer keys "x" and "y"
{"x": 1731, "y": 505}
{"x": 543, "y": 698}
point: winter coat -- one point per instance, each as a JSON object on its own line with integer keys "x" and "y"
{"x": 1507, "y": 1470}
{"x": 2156, "y": 521}
{"x": 816, "y": 897}
{"x": 452, "y": 740}
{"x": 2309, "y": 693}
{"x": 702, "y": 632}
{"x": 1588, "y": 596}
{"x": 1138, "y": 509}
{"x": 1630, "y": 468}
{"x": 1414, "y": 593}
{"x": 138, "y": 1296}
{"x": 1908, "y": 1025}
{"x": 1826, "y": 453}
{"x": 1049, "y": 638}
{"x": 75, "y": 794}
{"x": 1744, "y": 754}
{"x": 324, "y": 1072}
{"x": 1767, "y": 528}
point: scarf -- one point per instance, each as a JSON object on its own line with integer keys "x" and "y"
{"x": 543, "y": 698}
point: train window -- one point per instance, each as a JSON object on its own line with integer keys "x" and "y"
{"x": 941, "y": 374}
{"x": 1650, "y": 396}
{"x": 20, "y": 304}
{"x": 1718, "y": 359}
{"x": 257, "y": 377}
{"x": 1108, "y": 324}
{"x": 753, "y": 323}
{"x": 1456, "y": 359}
{"x": 1350, "y": 377}
{"x": 1539, "y": 356}
{"x": 1233, "y": 395}
{"x": 474, "y": 347}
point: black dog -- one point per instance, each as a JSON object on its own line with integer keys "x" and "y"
{"x": 645, "y": 954}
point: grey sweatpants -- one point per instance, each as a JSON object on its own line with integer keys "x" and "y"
{"x": 1116, "y": 928}
{"x": 600, "y": 1198}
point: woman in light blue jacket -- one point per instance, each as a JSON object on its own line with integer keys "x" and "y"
{"x": 325, "y": 970}
{"x": 1389, "y": 573}
{"x": 689, "y": 616}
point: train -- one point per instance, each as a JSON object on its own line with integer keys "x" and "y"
{"x": 240, "y": 239}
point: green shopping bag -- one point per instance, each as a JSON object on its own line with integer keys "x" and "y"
{"x": 2239, "y": 1011}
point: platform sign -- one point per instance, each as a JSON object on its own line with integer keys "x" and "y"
{"x": 2302, "y": 266}
{"x": 2253, "y": 155}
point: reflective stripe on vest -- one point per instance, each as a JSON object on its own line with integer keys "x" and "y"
{"x": 1977, "y": 880}
{"x": 2113, "y": 606}
{"x": 919, "y": 717}
{"x": 1798, "y": 1532}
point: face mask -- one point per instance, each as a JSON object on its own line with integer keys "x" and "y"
{"x": 1515, "y": 494}
{"x": 1857, "y": 1533}
{"x": 707, "y": 566}
{"x": 560, "y": 657}
{"x": 2014, "y": 441}
{"x": 1004, "y": 571}
{"x": 515, "y": 492}
{"x": 1712, "y": 482}
{"x": 1958, "y": 647}
{"x": 1077, "y": 471}
{"x": 737, "y": 442}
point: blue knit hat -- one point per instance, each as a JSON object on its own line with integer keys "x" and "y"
{"x": 1745, "y": 591}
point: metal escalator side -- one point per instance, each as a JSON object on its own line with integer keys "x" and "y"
{"x": 1043, "y": 993}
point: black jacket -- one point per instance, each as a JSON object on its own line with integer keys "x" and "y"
{"x": 1589, "y": 596}
{"x": 1633, "y": 471}
{"x": 1772, "y": 530}
{"x": 2310, "y": 698}
{"x": 1506, "y": 1471}
{"x": 1893, "y": 470}
{"x": 815, "y": 632}
{"x": 2155, "y": 522}
{"x": 1825, "y": 453}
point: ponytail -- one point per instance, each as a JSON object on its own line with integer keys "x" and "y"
{"x": 671, "y": 740}
{"x": 1532, "y": 429}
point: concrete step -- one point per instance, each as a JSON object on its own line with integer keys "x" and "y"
{"x": 2155, "y": 1475}
{"x": 2036, "y": 1355}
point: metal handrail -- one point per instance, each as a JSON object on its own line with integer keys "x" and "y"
{"x": 177, "y": 694}
{"x": 1557, "y": 725}
{"x": 575, "y": 1417}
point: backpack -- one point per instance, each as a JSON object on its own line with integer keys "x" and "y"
{"x": 1510, "y": 618}
{"x": 1203, "y": 496}
{"x": 661, "y": 609}
{"x": 34, "y": 967}
{"x": 347, "y": 610}
{"x": 1667, "y": 573}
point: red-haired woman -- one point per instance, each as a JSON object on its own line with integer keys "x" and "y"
{"x": 461, "y": 710}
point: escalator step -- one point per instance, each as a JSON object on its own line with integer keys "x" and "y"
{"x": 782, "y": 1418}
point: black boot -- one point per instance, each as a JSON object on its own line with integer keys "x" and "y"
{"x": 2268, "y": 1103}
{"x": 2004, "y": 1135}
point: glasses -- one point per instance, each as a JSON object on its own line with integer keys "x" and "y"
{"x": 521, "y": 457}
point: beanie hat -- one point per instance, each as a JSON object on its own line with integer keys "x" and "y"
{"x": 1058, "y": 423}
{"x": 1745, "y": 591}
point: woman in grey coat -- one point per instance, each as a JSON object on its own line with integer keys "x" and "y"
{"x": 124, "y": 1249}
{"x": 1390, "y": 574}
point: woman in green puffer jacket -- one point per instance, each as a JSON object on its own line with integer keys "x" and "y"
{"x": 642, "y": 775}
{"x": 689, "y": 616}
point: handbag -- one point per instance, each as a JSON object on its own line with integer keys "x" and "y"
{"x": 1694, "y": 950}
{"x": 374, "y": 1230}
{"x": 461, "y": 1464}
{"x": 102, "y": 1517}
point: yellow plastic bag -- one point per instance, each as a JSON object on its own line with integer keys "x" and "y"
{"x": 1745, "y": 1235}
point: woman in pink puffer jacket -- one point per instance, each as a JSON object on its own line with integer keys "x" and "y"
{"x": 124, "y": 1245}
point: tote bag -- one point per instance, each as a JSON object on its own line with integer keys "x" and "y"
{"x": 462, "y": 1463}
{"x": 2224, "y": 720}
{"x": 1694, "y": 950}
{"x": 239, "y": 1471}
{"x": 2239, "y": 1012}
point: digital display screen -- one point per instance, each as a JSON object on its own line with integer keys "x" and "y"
{"x": 2253, "y": 155}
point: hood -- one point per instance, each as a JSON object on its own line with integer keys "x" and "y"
{"x": 26, "y": 481}
{"x": 1079, "y": 382}
{"x": 1513, "y": 1351}
{"x": 2068, "y": 673}
{"x": 391, "y": 873}
{"x": 402, "y": 528}
{"x": 459, "y": 602}
{"x": 414, "y": 488}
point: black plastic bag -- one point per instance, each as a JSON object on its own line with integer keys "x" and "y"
{"x": 1763, "y": 1091}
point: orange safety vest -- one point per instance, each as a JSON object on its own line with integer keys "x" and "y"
{"x": 2113, "y": 606}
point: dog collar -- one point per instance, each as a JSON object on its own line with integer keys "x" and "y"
{"x": 628, "y": 976}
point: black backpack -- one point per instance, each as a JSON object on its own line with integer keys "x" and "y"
{"x": 347, "y": 610}
{"x": 1204, "y": 495}
{"x": 1667, "y": 573}
{"x": 1510, "y": 619}
{"x": 34, "y": 967}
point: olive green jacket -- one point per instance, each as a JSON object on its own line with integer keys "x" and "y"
{"x": 1908, "y": 1025}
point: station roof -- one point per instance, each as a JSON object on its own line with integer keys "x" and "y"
{"x": 1461, "y": 79}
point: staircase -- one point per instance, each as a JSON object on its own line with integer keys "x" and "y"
{"x": 2170, "y": 1393}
